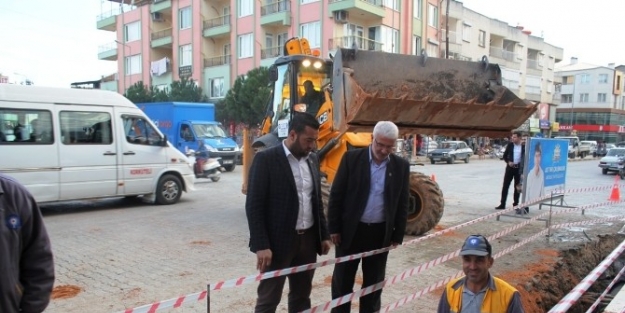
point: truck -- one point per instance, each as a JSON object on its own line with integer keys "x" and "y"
{"x": 576, "y": 149}
{"x": 420, "y": 94}
{"x": 186, "y": 123}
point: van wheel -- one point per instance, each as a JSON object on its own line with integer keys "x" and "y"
{"x": 168, "y": 190}
{"x": 230, "y": 168}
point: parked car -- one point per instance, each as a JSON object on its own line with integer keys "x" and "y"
{"x": 592, "y": 146}
{"x": 427, "y": 145}
{"x": 609, "y": 163}
{"x": 450, "y": 151}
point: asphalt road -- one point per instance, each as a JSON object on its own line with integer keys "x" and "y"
{"x": 123, "y": 254}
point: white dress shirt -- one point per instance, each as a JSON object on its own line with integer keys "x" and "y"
{"x": 304, "y": 184}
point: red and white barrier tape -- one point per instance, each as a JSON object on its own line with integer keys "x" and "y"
{"x": 443, "y": 282}
{"x": 287, "y": 271}
{"x": 171, "y": 303}
{"x": 605, "y": 292}
{"x": 579, "y": 290}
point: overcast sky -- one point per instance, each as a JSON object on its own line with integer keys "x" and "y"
{"x": 55, "y": 43}
{"x": 589, "y": 30}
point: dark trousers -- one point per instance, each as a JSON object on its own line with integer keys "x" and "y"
{"x": 368, "y": 237}
{"x": 300, "y": 284}
{"x": 511, "y": 173}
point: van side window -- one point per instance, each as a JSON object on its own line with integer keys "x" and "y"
{"x": 86, "y": 128}
{"x": 140, "y": 131}
{"x": 19, "y": 126}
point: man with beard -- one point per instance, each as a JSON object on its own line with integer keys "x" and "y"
{"x": 285, "y": 214}
{"x": 479, "y": 291}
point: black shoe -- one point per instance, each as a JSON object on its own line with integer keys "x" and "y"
{"x": 527, "y": 210}
{"x": 515, "y": 204}
{"x": 500, "y": 207}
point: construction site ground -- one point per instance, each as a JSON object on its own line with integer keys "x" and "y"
{"x": 117, "y": 254}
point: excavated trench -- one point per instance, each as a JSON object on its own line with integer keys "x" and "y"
{"x": 556, "y": 272}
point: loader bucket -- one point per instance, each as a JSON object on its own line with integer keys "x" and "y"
{"x": 424, "y": 95}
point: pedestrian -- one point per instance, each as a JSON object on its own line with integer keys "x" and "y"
{"x": 513, "y": 156}
{"x": 367, "y": 211}
{"x": 285, "y": 214}
{"x": 26, "y": 263}
{"x": 478, "y": 290}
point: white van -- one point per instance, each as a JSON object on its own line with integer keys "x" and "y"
{"x": 70, "y": 144}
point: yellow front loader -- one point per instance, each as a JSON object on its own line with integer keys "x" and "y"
{"x": 421, "y": 95}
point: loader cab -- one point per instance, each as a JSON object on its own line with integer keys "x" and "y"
{"x": 297, "y": 85}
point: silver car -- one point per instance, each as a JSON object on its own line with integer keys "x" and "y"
{"x": 609, "y": 163}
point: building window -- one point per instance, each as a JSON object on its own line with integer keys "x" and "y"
{"x": 132, "y": 31}
{"x": 246, "y": 46}
{"x": 308, "y": 1}
{"x": 416, "y": 45}
{"x": 466, "y": 32}
{"x": 603, "y": 78}
{"x": 217, "y": 87}
{"x": 432, "y": 50}
{"x": 432, "y": 16}
{"x": 583, "y": 97}
{"x": 567, "y": 98}
{"x": 186, "y": 56}
{"x": 312, "y": 32}
{"x": 392, "y": 4}
{"x": 541, "y": 57}
{"x": 416, "y": 11}
{"x": 601, "y": 98}
{"x": 390, "y": 39}
{"x": 585, "y": 79}
{"x": 133, "y": 64}
{"x": 185, "y": 18}
{"x": 246, "y": 7}
{"x": 481, "y": 38}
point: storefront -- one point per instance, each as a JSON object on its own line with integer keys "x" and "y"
{"x": 607, "y": 125}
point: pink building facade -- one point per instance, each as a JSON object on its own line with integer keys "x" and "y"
{"x": 215, "y": 41}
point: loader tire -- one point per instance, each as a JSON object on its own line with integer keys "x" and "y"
{"x": 426, "y": 204}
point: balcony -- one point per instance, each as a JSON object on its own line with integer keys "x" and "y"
{"x": 278, "y": 13}
{"x": 533, "y": 67}
{"x": 108, "y": 51}
{"x": 268, "y": 53}
{"x": 161, "y": 39}
{"x": 360, "y": 42}
{"x": 504, "y": 54}
{"x": 107, "y": 20}
{"x": 217, "y": 27}
{"x": 362, "y": 9}
{"x": 160, "y": 6}
{"x": 218, "y": 60}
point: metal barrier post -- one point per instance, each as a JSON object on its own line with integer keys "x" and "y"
{"x": 208, "y": 298}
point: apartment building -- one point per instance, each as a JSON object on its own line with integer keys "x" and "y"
{"x": 593, "y": 103}
{"x": 213, "y": 42}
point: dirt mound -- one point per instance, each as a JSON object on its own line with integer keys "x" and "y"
{"x": 555, "y": 273}
{"x": 65, "y": 291}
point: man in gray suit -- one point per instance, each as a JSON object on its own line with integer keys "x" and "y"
{"x": 367, "y": 211}
{"x": 285, "y": 214}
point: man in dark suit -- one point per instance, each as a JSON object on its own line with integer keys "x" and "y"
{"x": 285, "y": 214}
{"x": 367, "y": 211}
{"x": 513, "y": 156}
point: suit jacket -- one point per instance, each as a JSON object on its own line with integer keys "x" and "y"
{"x": 350, "y": 191}
{"x": 272, "y": 203}
{"x": 508, "y": 154}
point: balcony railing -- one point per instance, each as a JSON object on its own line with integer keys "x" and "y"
{"x": 351, "y": 41}
{"x": 269, "y": 53}
{"x": 217, "y": 61}
{"x": 453, "y": 36}
{"x": 218, "y": 21}
{"x": 504, "y": 54}
{"x": 161, "y": 34}
{"x": 379, "y": 3}
{"x": 108, "y": 14}
{"x": 276, "y": 7}
{"x": 107, "y": 47}
{"x": 533, "y": 64}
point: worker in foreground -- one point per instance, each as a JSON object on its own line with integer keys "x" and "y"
{"x": 479, "y": 291}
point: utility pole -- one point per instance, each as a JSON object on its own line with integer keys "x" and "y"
{"x": 447, "y": 31}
